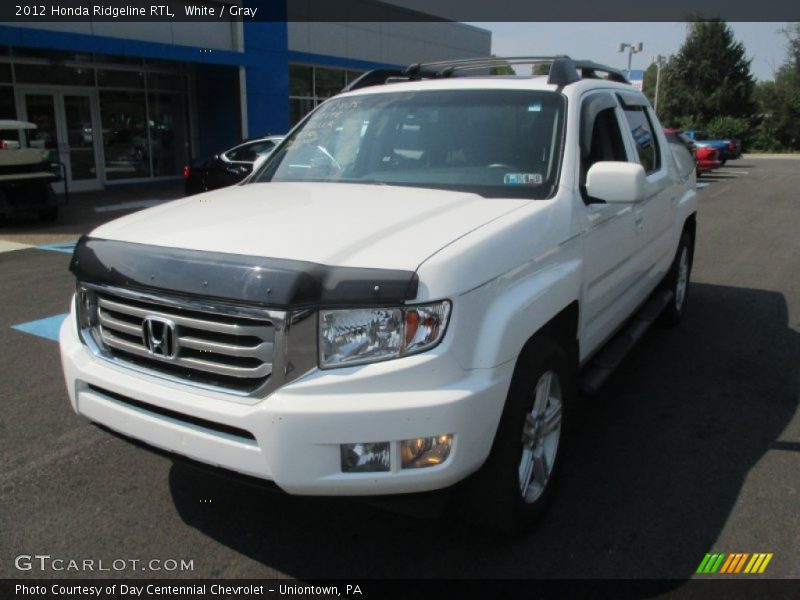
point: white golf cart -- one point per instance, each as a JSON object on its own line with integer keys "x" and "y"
{"x": 26, "y": 174}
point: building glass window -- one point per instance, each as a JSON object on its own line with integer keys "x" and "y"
{"x": 123, "y": 116}
{"x": 310, "y": 85}
{"x": 166, "y": 81}
{"x": 120, "y": 60}
{"x": 80, "y": 137}
{"x": 301, "y": 81}
{"x": 328, "y": 82}
{"x": 299, "y": 108}
{"x": 7, "y": 107}
{"x": 120, "y": 79}
{"x": 8, "y": 110}
{"x": 143, "y": 109}
{"x": 53, "y": 74}
{"x": 169, "y": 140}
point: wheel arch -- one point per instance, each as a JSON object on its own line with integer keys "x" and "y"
{"x": 690, "y": 226}
{"x": 562, "y": 329}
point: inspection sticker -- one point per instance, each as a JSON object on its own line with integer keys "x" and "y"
{"x": 522, "y": 179}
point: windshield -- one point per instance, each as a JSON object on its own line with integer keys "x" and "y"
{"x": 496, "y": 143}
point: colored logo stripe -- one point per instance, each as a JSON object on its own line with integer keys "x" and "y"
{"x": 758, "y": 563}
{"x": 711, "y": 563}
{"x": 734, "y": 563}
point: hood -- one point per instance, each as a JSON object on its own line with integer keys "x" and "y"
{"x": 338, "y": 224}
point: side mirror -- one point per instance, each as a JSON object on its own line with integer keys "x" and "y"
{"x": 616, "y": 181}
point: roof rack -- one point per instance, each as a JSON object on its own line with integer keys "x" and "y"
{"x": 563, "y": 70}
{"x": 583, "y": 69}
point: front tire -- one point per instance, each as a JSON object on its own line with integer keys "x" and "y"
{"x": 513, "y": 488}
{"x": 677, "y": 280}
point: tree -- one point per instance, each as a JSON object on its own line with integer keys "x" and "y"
{"x": 501, "y": 67}
{"x": 708, "y": 77}
{"x": 541, "y": 69}
{"x": 649, "y": 83}
{"x": 779, "y": 101}
{"x": 792, "y": 33}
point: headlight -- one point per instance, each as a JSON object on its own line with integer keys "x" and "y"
{"x": 363, "y": 335}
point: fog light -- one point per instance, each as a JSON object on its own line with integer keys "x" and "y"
{"x": 426, "y": 452}
{"x": 365, "y": 457}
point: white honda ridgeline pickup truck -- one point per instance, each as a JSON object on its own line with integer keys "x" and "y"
{"x": 409, "y": 293}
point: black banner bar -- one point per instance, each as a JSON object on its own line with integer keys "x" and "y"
{"x": 732, "y": 588}
{"x": 32, "y": 11}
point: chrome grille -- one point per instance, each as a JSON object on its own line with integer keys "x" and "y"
{"x": 122, "y": 328}
{"x": 231, "y": 348}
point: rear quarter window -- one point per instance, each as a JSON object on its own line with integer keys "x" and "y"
{"x": 644, "y": 138}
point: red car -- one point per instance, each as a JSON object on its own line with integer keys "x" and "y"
{"x": 706, "y": 158}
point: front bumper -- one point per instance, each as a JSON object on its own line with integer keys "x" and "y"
{"x": 293, "y": 436}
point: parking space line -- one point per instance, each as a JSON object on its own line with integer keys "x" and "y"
{"x": 64, "y": 247}
{"x": 46, "y": 328}
{"x": 127, "y": 205}
{"x": 702, "y": 184}
{"x": 11, "y": 246}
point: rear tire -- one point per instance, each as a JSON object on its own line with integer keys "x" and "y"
{"x": 514, "y": 486}
{"x": 677, "y": 280}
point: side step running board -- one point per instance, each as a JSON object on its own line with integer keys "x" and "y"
{"x": 609, "y": 358}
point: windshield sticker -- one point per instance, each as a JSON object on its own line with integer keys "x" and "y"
{"x": 535, "y": 107}
{"x": 522, "y": 179}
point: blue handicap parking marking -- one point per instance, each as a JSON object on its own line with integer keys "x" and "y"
{"x": 46, "y": 328}
{"x": 65, "y": 247}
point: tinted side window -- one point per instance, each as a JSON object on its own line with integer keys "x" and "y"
{"x": 683, "y": 157}
{"x": 643, "y": 135}
{"x": 606, "y": 139}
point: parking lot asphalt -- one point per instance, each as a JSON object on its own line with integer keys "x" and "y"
{"x": 693, "y": 445}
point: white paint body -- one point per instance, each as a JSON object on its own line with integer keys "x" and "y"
{"x": 507, "y": 265}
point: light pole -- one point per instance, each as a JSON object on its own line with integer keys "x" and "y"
{"x": 632, "y": 49}
{"x": 659, "y": 61}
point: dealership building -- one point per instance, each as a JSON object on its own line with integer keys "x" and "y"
{"x": 125, "y": 101}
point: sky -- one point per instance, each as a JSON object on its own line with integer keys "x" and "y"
{"x": 763, "y": 42}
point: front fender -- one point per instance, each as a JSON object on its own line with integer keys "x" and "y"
{"x": 510, "y": 309}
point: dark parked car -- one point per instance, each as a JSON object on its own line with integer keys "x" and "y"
{"x": 229, "y": 167}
